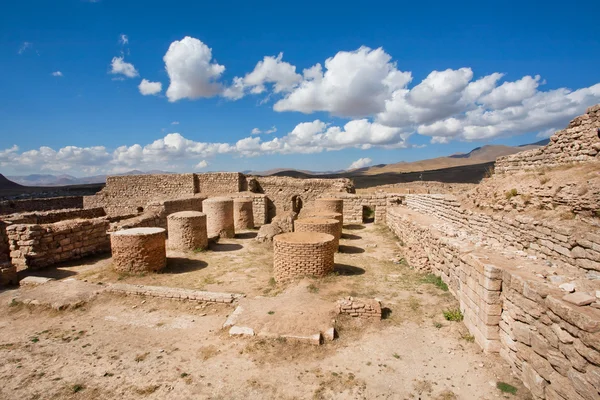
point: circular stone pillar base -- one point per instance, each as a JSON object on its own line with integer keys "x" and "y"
{"x": 298, "y": 254}
{"x": 187, "y": 230}
{"x": 139, "y": 250}
{"x": 243, "y": 216}
{"x": 330, "y": 205}
{"x": 219, "y": 217}
{"x": 321, "y": 225}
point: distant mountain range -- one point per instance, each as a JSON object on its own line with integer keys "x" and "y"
{"x": 479, "y": 155}
{"x": 66, "y": 180}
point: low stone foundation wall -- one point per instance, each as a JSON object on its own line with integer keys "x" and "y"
{"x": 552, "y": 345}
{"x": 49, "y": 217}
{"x": 51, "y": 203}
{"x": 361, "y": 308}
{"x": 36, "y": 246}
{"x": 544, "y": 239}
{"x": 378, "y": 202}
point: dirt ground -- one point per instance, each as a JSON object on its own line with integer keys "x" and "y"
{"x": 133, "y": 347}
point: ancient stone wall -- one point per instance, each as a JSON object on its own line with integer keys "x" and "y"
{"x": 37, "y": 246}
{"x": 299, "y": 254}
{"x": 49, "y": 217}
{"x": 131, "y": 193}
{"x": 259, "y": 206}
{"x": 4, "y": 248}
{"x": 552, "y": 345}
{"x": 378, "y": 202}
{"x": 579, "y": 142}
{"x": 579, "y": 249}
{"x": 361, "y": 308}
{"x": 291, "y": 194}
{"x": 219, "y": 183}
{"x": 52, "y": 203}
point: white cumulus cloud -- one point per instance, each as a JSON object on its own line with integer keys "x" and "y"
{"x": 202, "y": 164}
{"x": 191, "y": 70}
{"x": 257, "y": 131}
{"x": 360, "y": 163}
{"x": 57, "y": 73}
{"x": 149, "y": 88}
{"x": 119, "y": 66}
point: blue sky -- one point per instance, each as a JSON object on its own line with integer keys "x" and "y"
{"x": 373, "y": 82}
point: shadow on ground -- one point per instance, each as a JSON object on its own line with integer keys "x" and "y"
{"x": 62, "y": 270}
{"x": 246, "y": 235}
{"x": 347, "y": 270}
{"x": 179, "y": 265}
{"x": 350, "y": 249}
{"x": 354, "y": 227}
{"x": 349, "y": 236}
{"x": 225, "y": 246}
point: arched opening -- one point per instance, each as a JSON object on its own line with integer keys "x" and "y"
{"x": 140, "y": 209}
{"x": 296, "y": 204}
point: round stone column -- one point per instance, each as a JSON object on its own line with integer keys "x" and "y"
{"x": 299, "y": 254}
{"x": 321, "y": 225}
{"x": 243, "y": 217}
{"x": 219, "y": 217}
{"x": 330, "y": 205}
{"x": 187, "y": 230}
{"x": 139, "y": 250}
{"x": 326, "y": 215}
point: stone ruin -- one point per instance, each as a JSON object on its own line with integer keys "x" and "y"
{"x": 529, "y": 288}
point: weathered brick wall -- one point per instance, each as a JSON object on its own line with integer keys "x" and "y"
{"x": 37, "y": 246}
{"x": 285, "y": 194}
{"x": 48, "y": 217}
{"x": 579, "y": 142}
{"x": 127, "y": 194}
{"x": 552, "y": 345}
{"x": 51, "y": 203}
{"x": 354, "y": 203}
{"x": 576, "y": 248}
{"x": 259, "y": 206}
{"x": 361, "y": 308}
{"x": 299, "y": 254}
{"x": 219, "y": 183}
{"x": 4, "y": 248}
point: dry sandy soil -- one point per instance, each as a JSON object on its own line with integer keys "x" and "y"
{"x": 133, "y": 347}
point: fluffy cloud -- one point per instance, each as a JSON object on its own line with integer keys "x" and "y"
{"x": 257, "y": 131}
{"x": 190, "y": 68}
{"x": 179, "y": 153}
{"x": 360, "y": 163}
{"x": 119, "y": 66}
{"x": 202, "y": 164}
{"x": 149, "y": 88}
{"x": 123, "y": 39}
{"x": 57, "y": 73}
{"x": 271, "y": 70}
{"x": 355, "y": 83}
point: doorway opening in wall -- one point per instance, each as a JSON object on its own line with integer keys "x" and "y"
{"x": 368, "y": 214}
{"x": 140, "y": 210}
{"x": 296, "y": 204}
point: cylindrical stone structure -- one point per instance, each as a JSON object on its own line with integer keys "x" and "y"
{"x": 322, "y": 225}
{"x": 243, "y": 216}
{"x": 326, "y": 215}
{"x": 187, "y": 230}
{"x": 219, "y": 217}
{"x": 139, "y": 250}
{"x": 298, "y": 254}
{"x": 330, "y": 205}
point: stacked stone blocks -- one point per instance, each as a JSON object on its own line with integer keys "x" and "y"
{"x": 243, "y": 214}
{"x": 330, "y": 226}
{"x": 299, "y": 254}
{"x": 139, "y": 250}
{"x": 187, "y": 231}
{"x": 360, "y": 308}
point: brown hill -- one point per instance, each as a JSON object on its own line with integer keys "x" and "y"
{"x": 8, "y": 184}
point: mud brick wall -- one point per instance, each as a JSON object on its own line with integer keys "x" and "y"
{"x": 36, "y": 246}
{"x": 125, "y": 194}
{"x": 49, "y": 217}
{"x": 474, "y": 281}
{"x": 4, "y": 247}
{"x": 259, "y": 206}
{"x": 578, "y": 249}
{"x": 354, "y": 203}
{"x": 287, "y": 194}
{"x": 52, "y": 203}
{"x": 361, "y": 308}
{"x": 219, "y": 183}
{"x": 579, "y": 142}
{"x": 553, "y": 346}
